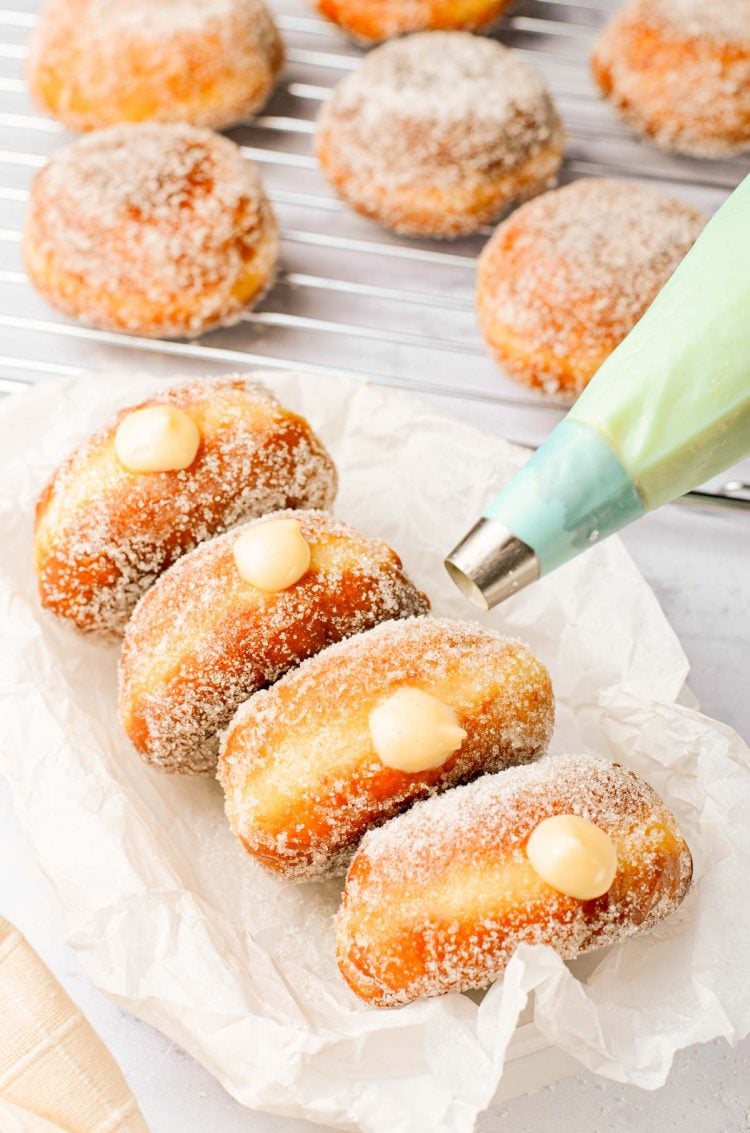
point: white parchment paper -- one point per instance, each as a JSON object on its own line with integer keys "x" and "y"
{"x": 173, "y": 921}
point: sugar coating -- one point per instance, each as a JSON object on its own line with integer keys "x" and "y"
{"x": 202, "y": 641}
{"x": 679, "y": 71}
{"x": 135, "y": 526}
{"x": 572, "y": 271}
{"x": 726, "y": 20}
{"x": 103, "y": 57}
{"x": 442, "y": 110}
{"x": 166, "y": 217}
{"x": 501, "y": 693}
{"x": 392, "y": 923}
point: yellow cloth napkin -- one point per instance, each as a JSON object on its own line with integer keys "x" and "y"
{"x": 56, "y": 1076}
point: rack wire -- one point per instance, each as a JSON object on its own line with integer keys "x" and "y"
{"x": 351, "y": 298}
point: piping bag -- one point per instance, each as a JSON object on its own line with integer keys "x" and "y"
{"x": 669, "y": 409}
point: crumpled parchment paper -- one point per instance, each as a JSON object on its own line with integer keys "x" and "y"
{"x": 173, "y": 921}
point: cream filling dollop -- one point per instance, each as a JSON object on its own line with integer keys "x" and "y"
{"x": 573, "y": 855}
{"x": 413, "y": 731}
{"x": 272, "y": 555}
{"x": 157, "y": 438}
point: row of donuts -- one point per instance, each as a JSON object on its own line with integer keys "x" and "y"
{"x": 677, "y": 70}
{"x": 164, "y": 230}
{"x": 349, "y": 726}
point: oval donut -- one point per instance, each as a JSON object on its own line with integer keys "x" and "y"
{"x": 678, "y": 72}
{"x": 103, "y": 534}
{"x": 438, "y": 899}
{"x": 155, "y": 229}
{"x": 96, "y": 63}
{"x": 566, "y": 277}
{"x": 436, "y": 134}
{"x": 301, "y": 777}
{"x": 203, "y": 639}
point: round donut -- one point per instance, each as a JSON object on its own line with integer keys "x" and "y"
{"x": 678, "y": 71}
{"x": 299, "y": 764}
{"x": 104, "y": 532}
{"x": 97, "y": 63}
{"x": 565, "y": 278}
{"x": 156, "y": 230}
{"x": 437, "y": 133}
{"x": 203, "y": 639}
{"x": 371, "y": 21}
{"x": 438, "y": 899}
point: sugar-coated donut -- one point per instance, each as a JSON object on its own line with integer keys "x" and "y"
{"x": 104, "y": 533}
{"x": 203, "y": 639}
{"x": 96, "y": 63}
{"x": 566, "y": 277}
{"x": 438, "y": 899}
{"x": 437, "y": 133}
{"x": 154, "y": 230}
{"x": 372, "y": 21}
{"x": 678, "y": 71}
{"x": 299, "y": 764}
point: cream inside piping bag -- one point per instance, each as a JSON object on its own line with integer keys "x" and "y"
{"x": 668, "y": 409}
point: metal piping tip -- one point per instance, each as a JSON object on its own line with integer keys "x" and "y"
{"x": 491, "y": 563}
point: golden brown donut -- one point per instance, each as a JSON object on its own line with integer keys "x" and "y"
{"x": 438, "y": 899}
{"x": 302, "y": 776}
{"x": 372, "y": 21}
{"x": 437, "y": 133}
{"x": 567, "y": 276}
{"x": 203, "y": 639}
{"x": 678, "y": 71}
{"x": 159, "y": 230}
{"x": 104, "y": 533}
{"x": 96, "y": 63}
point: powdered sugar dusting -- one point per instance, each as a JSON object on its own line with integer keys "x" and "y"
{"x": 301, "y": 779}
{"x": 571, "y": 272}
{"x": 430, "y": 905}
{"x": 157, "y": 220}
{"x": 446, "y": 108}
{"x": 201, "y": 640}
{"x": 101, "y": 545}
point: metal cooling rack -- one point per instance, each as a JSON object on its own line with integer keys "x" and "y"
{"x": 351, "y": 298}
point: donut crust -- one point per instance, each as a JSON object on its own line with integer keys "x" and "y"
{"x": 203, "y": 640}
{"x": 176, "y": 239}
{"x": 301, "y": 779}
{"x": 104, "y": 534}
{"x": 93, "y": 65}
{"x": 566, "y": 277}
{"x": 438, "y": 133}
{"x": 372, "y": 21}
{"x": 686, "y": 91}
{"x": 438, "y": 899}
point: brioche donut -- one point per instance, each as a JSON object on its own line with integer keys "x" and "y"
{"x": 372, "y": 21}
{"x": 438, "y": 899}
{"x": 566, "y": 277}
{"x": 436, "y": 134}
{"x": 678, "y": 71}
{"x": 358, "y": 733}
{"x": 96, "y": 63}
{"x": 205, "y": 638}
{"x": 105, "y": 531}
{"x": 160, "y": 230}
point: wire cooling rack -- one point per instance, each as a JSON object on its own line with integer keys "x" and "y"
{"x": 351, "y": 298}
